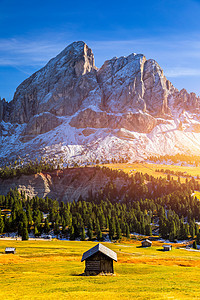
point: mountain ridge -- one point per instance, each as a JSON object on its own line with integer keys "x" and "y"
{"x": 70, "y": 106}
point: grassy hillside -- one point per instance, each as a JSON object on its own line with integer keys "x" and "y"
{"x": 150, "y": 169}
{"x": 51, "y": 269}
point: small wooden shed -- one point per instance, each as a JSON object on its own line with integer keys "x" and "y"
{"x": 167, "y": 247}
{"x": 9, "y": 250}
{"x": 146, "y": 243}
{"x": 99, "y": 259}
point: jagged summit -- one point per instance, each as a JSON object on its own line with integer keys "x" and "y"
{"x": 72, "y": 103}
{"x": 50, "y": 89}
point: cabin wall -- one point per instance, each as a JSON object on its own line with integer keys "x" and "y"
{"x": 107, "y": 266}
{"x": 98, "y": 263}
{"x": 167, "y": 249}
{"x": 146, "y": 244}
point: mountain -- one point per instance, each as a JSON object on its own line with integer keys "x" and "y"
{"x": 71, "y": 109}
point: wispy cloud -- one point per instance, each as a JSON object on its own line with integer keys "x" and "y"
{"x": 180, "y": 72}
{"x": 18, "y": 52}
{"x": 23, "y": 52}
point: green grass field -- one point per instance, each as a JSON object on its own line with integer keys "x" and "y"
{"x": 51, "y": 270}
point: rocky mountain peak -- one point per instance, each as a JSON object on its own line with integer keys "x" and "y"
{"x": 72, "y": 103}
{"x": 54, "y": 86}
{"x": 77, "y": 52}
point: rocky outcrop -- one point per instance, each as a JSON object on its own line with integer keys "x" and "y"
{"x": 88, "y": 131}
{"x": 4, "y": 110}
{"x": 139, "y": 122}
{"x": 121, "y": 83}
{"x": 187, "y": 101}
{"x": 122, "y": 133}
{"x": 134, "y": 83}
{"x": 157, "y": 89}
{"x": 65, "y": 185}
{"x": 93, "y": 119}
{"x": 40, "y": 124}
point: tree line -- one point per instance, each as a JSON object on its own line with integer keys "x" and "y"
{"x": 193, "y": 160}
{"x": 19, "y": 167}
{"x": 140, "y": 204}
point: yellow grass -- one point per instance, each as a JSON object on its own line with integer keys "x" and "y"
{"x": 197, "y": 194}
{"x": 51, "y": 269}
{"x": 151, "y": 169}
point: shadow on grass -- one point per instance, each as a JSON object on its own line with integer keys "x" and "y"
{"x": 142, "y": 247}
{"x": 94, "y": 274}
{"x": 75, "y": 274}
{"x": 162, "y": 250}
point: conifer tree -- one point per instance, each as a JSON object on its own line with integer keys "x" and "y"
{"x": 46, "y": 226}
{"x": 196, "y": 228}
{"x": 29, "y": 214}
{"x": 72, "y": 236}
{"x": 1, "y": 223}
{"x": 20, "y": 228}
{"x": 63, "y": 226}
{"x": 56, "y": 228}
{"x": 194, "y": 245}
{"x": 192, "y": 229}
{"x": 83, "y": 234}
{"x": 6, "y": 224}
{"x": 172, "y": 233}
{"x": 198, "y": 239}
{"x": 127, "y": 231}
{"x": 90, "y": 225}
{"x": 98, "y": 231}
{"x": 36, "y": 232}
{"x": 112, "y": 228}
{"x": 90, "y": 234}
{"x": 185, "y": 231}
{"x": 25, "y": 236}
{"x": 148, "y": 230}
{"x": 118, "y": 230}
{"x": 99, "y": 235}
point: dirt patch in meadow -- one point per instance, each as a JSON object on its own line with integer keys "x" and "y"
{"x": 167, "y": 261}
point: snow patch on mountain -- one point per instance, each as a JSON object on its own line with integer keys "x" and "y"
{"x": 103, "y": 144}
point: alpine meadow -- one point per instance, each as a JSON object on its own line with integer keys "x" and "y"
{"x": 99, "y": 150}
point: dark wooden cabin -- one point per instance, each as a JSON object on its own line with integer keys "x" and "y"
{"x": 9, "y": 250}
{"x": 99, "y": 259}
{"x": 167, "y": 247}
{"x": 146, "y": 243}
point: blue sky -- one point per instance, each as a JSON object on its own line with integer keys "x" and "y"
{"x": 32, "y": 32}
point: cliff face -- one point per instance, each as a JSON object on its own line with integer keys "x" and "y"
{"x": 65, "y": 185}
{"x": 69, "y": 98}
{"x": 56, "y": 88}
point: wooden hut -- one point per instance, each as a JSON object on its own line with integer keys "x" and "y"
{"x": 167, "y": 247}
{"x": 99, "y": 259}
{"x": 9, "y": 250}
{"x": 146, "y": 243}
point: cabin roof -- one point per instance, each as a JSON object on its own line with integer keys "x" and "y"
{"x": 10, "y": 249}
{"x": 167, "y": 246}
{"x": 148, "y": 241}
{"x": 99, "y": 248}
